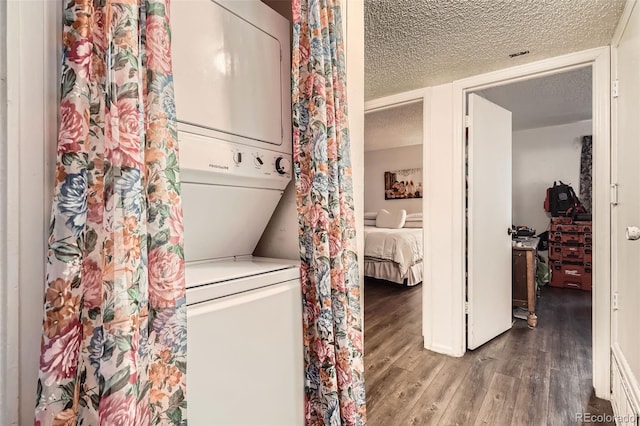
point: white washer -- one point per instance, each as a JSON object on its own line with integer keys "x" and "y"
{"x": 244, "y": 343}
{"x": 244, "y": 314}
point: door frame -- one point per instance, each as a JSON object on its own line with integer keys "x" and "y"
{"x": 392, "y": 101}
{"x": 599, "y": 59}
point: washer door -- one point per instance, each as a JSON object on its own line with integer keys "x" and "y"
{"x": 244, "y": 358}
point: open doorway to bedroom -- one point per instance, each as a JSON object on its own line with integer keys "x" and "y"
{"x": 523, "y": 138}
{"x": 393, "y": 259}
{"x": 551, "y": 251}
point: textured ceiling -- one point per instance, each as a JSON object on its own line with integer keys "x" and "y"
{"x": 539, "y": 102}
{"x": 546, "y": 101}
{"x": 393, "y": 127}
{"x": 411, "y": 44}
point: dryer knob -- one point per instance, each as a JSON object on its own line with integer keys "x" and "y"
{"x": 237, "y": 157}
{"x": 282, "y": 165}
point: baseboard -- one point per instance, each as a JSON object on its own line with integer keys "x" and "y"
{"x": 625, "y": 390}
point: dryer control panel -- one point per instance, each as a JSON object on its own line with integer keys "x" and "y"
{"x": 204, "y": 159}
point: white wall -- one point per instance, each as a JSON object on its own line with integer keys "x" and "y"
{"x": 32, "y": 83}
{"x": 7, "y": 413}
{"x": 354, "y": 21}
{"x": 380, "y": 161}
{"x": 280, "y": 237}
{"x": 442, "y": 325}
{"x": 626, "y": 173}
{"x": 541, "y": 156}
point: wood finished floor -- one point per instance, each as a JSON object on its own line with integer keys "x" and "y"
{"x": 523, "y": 377}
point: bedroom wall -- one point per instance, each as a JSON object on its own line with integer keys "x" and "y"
{"x": 541, "y": 156}
{"x": 379, "y": 161}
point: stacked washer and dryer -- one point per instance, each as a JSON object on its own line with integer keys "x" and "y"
{"x": 232, "y": 86}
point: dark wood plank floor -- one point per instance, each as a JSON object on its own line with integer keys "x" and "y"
{"x": 523, "y": 377}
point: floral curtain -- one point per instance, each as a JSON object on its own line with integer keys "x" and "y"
{"x": 586, "y": 166}
{"x": 333, "y": 356}
{"x": 114, "y": 333}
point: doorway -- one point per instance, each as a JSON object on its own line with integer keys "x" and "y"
{"x": 547, "y": 139}
{"x": 393, "y": 253}
{"x": 598, "y": 59}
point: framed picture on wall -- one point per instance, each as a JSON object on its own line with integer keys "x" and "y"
{"x": 403, "y": 184}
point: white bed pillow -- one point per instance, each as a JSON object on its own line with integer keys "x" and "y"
{"x": 369, "y": 222}
{"x": 370, "y": 215}
{"x": 414, "y": 217}
{"x": 393, "y": 220}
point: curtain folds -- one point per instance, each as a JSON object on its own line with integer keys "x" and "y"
{"x": 114, "y": 333}
{"x": 333, "y": 353}
{"x": 586, "y": 167}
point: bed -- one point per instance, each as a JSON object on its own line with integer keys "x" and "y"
{"x": 393, "y": 254}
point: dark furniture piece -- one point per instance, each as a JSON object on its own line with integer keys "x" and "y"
{"x": 524, "y": 286}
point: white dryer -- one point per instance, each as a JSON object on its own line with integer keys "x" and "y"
{"x": 232, "y": 83}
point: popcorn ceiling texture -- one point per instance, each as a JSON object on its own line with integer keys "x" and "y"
{"x": 394, "y": 127}
{"x": 411, "y": 44}
{"x": 546, "y": 101}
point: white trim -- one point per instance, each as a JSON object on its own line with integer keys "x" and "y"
{"x": 622, "y": 22}
{"x": 440, "y": 323}
{"x": 8, "y": 354}
{"x": 394, "y": 100}
{"x": 427, "y": 278}
{"x": 601, "y": 307}
{"x": 10, "y": 303}
{"x": 459, "y": 213}
{"x": 353, "y": 18}
{"x": 599, "y": 58}
{"x": 629, "y": 381}
{"x": 614, "y": 180}
{"x": 32, "y": 84}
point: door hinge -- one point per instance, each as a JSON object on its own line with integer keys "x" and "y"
{"x": 466, "y": 308}
{"x": 466, "y": 121}
{"x": 614, "y": 194}
{"x": 615, "y": 88}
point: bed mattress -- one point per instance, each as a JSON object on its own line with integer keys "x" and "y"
{"x": 401, "y": 246}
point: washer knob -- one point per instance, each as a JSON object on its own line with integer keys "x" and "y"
{"x": 237, "y": 157}
{"x": 282, "y": 165}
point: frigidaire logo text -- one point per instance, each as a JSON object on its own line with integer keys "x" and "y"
{"x": 218, "y": 166}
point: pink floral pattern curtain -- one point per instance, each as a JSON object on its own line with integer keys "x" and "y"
{"x": 114, "y": 332}
{"x": 333, "y": 353}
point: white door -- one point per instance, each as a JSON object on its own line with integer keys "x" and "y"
{"x": 489, "y": 219}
